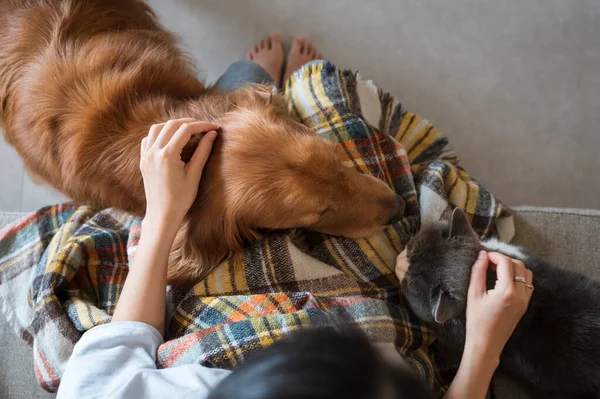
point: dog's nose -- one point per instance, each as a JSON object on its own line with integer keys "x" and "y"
{"x": 394, "y": 219}
{"x": 399, "y": 211}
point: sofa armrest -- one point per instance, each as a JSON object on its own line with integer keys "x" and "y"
{"x": 568, "y": 238}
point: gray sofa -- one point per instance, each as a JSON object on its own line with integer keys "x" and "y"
{"x": 569, "y": 237}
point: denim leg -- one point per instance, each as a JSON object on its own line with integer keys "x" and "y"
{"x": 242, "y": 72}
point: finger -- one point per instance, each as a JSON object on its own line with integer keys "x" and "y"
{"x": 478, "y": 285}
{"x": 170, "y": 129}
{"x": 185, "y": 132}
{"x": 529, "y": 278}
{"x": 143, "y": 150}
{"x": 504, "y": 270}
{"x": 200, "y": 157}
{"x": 519, "y": 270}
{"x": 153, "y": 133}
{"x": 519, "y": 267}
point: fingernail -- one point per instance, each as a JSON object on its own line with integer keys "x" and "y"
{"x": 481, "y": 255}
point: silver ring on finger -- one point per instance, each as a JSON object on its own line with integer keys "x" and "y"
{"x": 522, "y": 280}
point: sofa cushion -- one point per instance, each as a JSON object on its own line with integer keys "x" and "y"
{"x": 568, "y": 238}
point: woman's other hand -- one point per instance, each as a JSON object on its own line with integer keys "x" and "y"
{"x": 493, "y": 315}
{"x": 171, "y": 185}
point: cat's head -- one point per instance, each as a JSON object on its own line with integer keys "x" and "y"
{"x": 439, "y": 260}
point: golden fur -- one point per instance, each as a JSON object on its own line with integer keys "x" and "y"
{"x": 82, "y": 81}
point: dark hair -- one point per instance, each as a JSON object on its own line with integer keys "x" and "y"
{"x": 320, "y": 363}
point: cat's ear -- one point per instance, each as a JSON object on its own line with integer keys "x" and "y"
{"x": 446, "y": 308}
{"x": 460, "y": 225}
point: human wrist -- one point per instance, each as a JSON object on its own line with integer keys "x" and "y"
{"x": 473, "y": 377}
{"x": 161, "y": 224}
{"x": 481, "y": 355}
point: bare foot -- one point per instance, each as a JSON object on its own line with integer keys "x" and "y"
{"x": 301, "y": 52}
{"x": 268, "y": 53}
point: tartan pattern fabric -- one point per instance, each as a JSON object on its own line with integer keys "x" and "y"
{"x": 62, "y": 268}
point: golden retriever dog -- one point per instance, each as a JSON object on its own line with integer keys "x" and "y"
{"x": 81, "y": 83}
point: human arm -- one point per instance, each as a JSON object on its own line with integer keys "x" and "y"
{"x": 171, "y": 187}
{"x": 492, "y": 316}
{"x": 118, "y": 360}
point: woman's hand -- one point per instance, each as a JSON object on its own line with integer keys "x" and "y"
{"x": 492, "y": 315}
{"x": 170, "y": 185}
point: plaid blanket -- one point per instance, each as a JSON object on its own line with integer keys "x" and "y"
{"x": 63, "y": 267}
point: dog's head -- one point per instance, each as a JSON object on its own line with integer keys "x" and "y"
{"x": 267, "y": 171}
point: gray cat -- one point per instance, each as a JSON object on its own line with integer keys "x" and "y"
{"x": 555, "y": 349}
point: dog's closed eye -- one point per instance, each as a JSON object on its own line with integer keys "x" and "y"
{"x": 325, "y": 211}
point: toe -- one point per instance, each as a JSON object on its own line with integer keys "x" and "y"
{"x": 275, "y": 38}
{"x": 318, "y": 56}
{"x": 308, "y": 50}
{"x": 249, "y": 56}
{"x": 298, "y": 44}
{"x": 276, "y": 42}
{"x": 263, "y": 43}
{"x": 269, "y": 44}
{"x": 255, "y": 48}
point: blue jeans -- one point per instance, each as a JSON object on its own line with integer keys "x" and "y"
{"x": 242, "y": 72}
